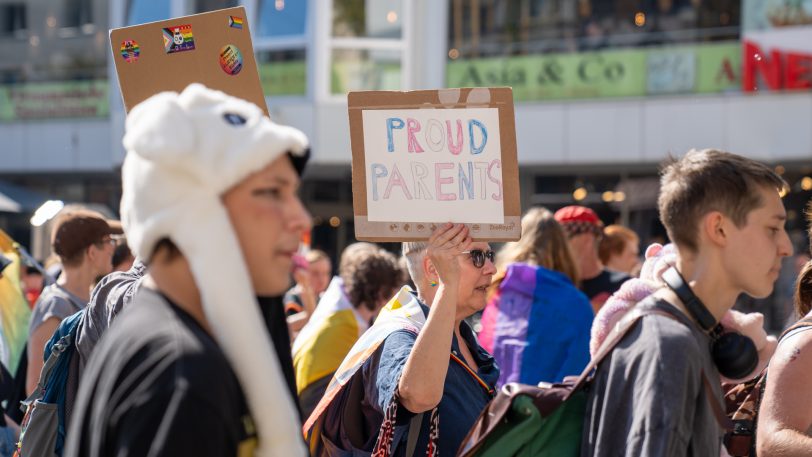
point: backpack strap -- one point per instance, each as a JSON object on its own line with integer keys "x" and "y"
{"x": 47, "y": 369}
{"x": 414, "y": 431}
{"x": 804, "y": 323}
{"x": 55, "y": 352}
{"x": 721, "y": 418}
{"x": 623, "y": 328}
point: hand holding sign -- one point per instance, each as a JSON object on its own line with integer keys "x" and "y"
{"x": 421, "y": 158}
{"x": 446, "y": 244}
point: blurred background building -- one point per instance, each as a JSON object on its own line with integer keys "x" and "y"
{"x": 605, "y": 90}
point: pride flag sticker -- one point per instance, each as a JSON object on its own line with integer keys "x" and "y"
{"x": 178, "y": 39}
{"x": 235, "y": 22}
{"x": 130, "y": 50}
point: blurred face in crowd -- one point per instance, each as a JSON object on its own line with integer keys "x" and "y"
{"x": 583, "y": 245}
{"x": 32, "y": 281}
{"x": 474, "y": 282}
{"x": 320, "y": 272}
{"x": 268, "y": 219}
{"x": 100, "y": 256}
{"x": 627, "y": 260}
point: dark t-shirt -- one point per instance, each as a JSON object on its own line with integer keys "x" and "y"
{"x": 159, "y": 385}
{"x": 648, "y": 398}
{"x": 601, "y": 287}
{"x": 274, "y": 316}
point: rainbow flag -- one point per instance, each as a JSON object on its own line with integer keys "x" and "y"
{"x": 235, "y": 22}
{"x": 327, "y": 338}
{"x": 14, "y": 311}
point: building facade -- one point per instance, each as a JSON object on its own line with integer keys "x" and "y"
{"x": 604, "y": 90}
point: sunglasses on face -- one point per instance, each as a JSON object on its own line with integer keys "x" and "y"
{"x": 478, "y": 256}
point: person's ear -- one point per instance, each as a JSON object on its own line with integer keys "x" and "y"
{"x": 90, "y": 253}
{"x": 428, "y": 269}
{"x": 715, "y": 227}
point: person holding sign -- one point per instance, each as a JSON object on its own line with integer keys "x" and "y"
{"x": 423, "y": 157}
{"x": 419, "y": 357}
{"x": 200, "y": 362}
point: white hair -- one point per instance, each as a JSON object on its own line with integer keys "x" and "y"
{"x": 414, "y": 253}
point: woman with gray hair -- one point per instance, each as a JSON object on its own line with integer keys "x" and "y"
{"x": 419, "y": 357}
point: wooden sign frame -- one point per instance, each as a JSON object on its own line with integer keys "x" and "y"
{"x": 500, "y": 98}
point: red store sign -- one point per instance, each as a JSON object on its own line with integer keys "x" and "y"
{"x": 778, "y": 69}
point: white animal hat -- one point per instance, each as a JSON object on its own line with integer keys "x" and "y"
{"x": 183, "y": 152}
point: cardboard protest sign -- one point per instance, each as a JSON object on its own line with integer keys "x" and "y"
{"x": 212, "y": 48}
{"x": 423, "y": 158}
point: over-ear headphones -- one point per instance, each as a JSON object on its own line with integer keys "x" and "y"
{"x": 734, "y": 354}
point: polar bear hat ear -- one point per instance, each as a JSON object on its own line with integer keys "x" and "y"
{"x": 207, "y": 135}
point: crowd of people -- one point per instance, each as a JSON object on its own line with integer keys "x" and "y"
{"x": 198, "y": 345}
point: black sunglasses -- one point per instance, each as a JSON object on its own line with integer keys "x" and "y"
{"x": 478, "y": 256}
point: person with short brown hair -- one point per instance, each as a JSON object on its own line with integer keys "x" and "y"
{"x": 619, "y": 249}
{"x": 368, "y": 278}
{"x": 83, "y": 241}
{"x": 654, "y": 393}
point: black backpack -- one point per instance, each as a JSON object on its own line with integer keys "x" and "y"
{"x": 43, "y": 429}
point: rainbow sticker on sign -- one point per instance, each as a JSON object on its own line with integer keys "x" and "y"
{"x": 178, "y": 39}
{"x": 230, "y": 59}
{"x": 235, "y": 22}
{"x": 130, "y": 50}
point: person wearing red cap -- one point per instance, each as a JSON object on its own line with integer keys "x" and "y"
{"x": 584, "y": 230}
{"x": 83, "y": 241}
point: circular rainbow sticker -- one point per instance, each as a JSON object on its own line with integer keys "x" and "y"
{"x": 130, "y": 50}
{"x": 230, "y": 59}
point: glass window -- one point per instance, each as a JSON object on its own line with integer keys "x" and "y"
{"x": 204, "y": 6}
{"x": 283, "y": 72}
{"x": 364, "y": 70}
{"x": 12, "y": 19}
{"x": 480, "y": 28}
{"x": 282, "y": 17}
{"x": 77, "y": 13}
{"x": 367, "y": 18}
{"x": 142, "y": 11}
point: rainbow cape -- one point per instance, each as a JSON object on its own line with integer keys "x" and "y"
{"x": 403, "y": 312}
{"x": 14, "y": 311}
{"x": 327, "y": 338}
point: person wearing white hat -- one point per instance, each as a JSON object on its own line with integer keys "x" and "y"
{"x": 209, "y": 201}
